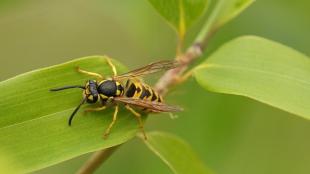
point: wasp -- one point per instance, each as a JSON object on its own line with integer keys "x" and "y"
{"x": 127, "y": 89}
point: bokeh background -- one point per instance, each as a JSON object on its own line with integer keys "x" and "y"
{"x": 231, "y": 134}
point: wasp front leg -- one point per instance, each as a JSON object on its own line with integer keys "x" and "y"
{"x": 138, "y": 116}
{"x": 98, "y": 76}
{"x": 112, "y": 66}
{"x": 95, "y": 109}
{"x": 107, "y": 131}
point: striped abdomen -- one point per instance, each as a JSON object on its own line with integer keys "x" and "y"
{"x": 138, "y": 90}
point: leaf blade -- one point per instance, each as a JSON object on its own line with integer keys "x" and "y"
{"x": 180, "y": 14}
{"x": 223, "y": 12}
{"x": 175, "y": 153}
{"x": 229, "y": 9}
{"x": 262, "y": 70}
{"x": 33, "y": 121}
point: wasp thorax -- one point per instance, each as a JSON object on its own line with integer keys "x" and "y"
{"x": 110, "y": 88}
{"x": 91, "y": 92}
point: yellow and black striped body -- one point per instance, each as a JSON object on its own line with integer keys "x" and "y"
{"x": 138, "y": 90}
{"x": 112, "y": 92}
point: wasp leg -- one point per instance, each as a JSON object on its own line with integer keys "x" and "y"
{"x": 89, "y": 73}
{"x": 112, "y": 66}
{"x": 95, "y": 109}
{"x": 138, "y": 116}
{"x": 107, "y": 131}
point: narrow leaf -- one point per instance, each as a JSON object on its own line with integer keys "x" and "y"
{"x": 34, "y": 129}
{"x": 175, "y": 153}
{"x": 224, "y": 11}
{"x": 260, "y": 69}
{"x": 180, "y": 13}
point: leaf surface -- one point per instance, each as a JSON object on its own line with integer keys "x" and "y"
{"x": 223, "y": 12}
{"x": 181, "y": 14}
{"x": 262, "y": 70}
{"x": 175, "y": 153}
{"x": 34, "y": 129}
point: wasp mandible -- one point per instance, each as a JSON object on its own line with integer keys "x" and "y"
{"x": 134, "y": 93}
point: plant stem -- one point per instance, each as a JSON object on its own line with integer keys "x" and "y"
{"x": 173, "y": 76}
{"x": 96, "y": 160}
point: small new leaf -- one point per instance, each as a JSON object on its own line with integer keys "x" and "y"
{"x": 181, "y": 14}
{"x": 229, "y": 9}
{"x": 224, "y": 11}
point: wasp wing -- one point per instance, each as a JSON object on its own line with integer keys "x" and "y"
{"x": 149, "y": 69}
{"x": 151, "y": 105}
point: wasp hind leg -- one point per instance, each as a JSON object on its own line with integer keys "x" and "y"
{"x": 107, "y": 131}
{"x": 98, "y": 76}
{"x": 138, "y": 116}
{"x": 112, "y": 66}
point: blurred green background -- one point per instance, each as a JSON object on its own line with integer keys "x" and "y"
{"x": 232, "y": 134}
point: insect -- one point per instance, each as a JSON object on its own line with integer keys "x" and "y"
{"x": 134, "y": 94}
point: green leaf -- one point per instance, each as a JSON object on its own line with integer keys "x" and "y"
{"x": 175, "y": 153}
{"x": 34, "y": 129}
{"x": 224, "y": 11}
{"x": 5, "y": 166}
{"x": 180, "y": 13}
{"x": 262, "y": 70}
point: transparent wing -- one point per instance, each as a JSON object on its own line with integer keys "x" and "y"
{"x": 149, "y": 69}
{"x": 152, "y": 105}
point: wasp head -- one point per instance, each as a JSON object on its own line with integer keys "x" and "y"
{"x": 90, "y": 93}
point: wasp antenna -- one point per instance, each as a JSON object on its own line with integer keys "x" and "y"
{"x": 75, "y": 110}
{"x": 67, "y": 87}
